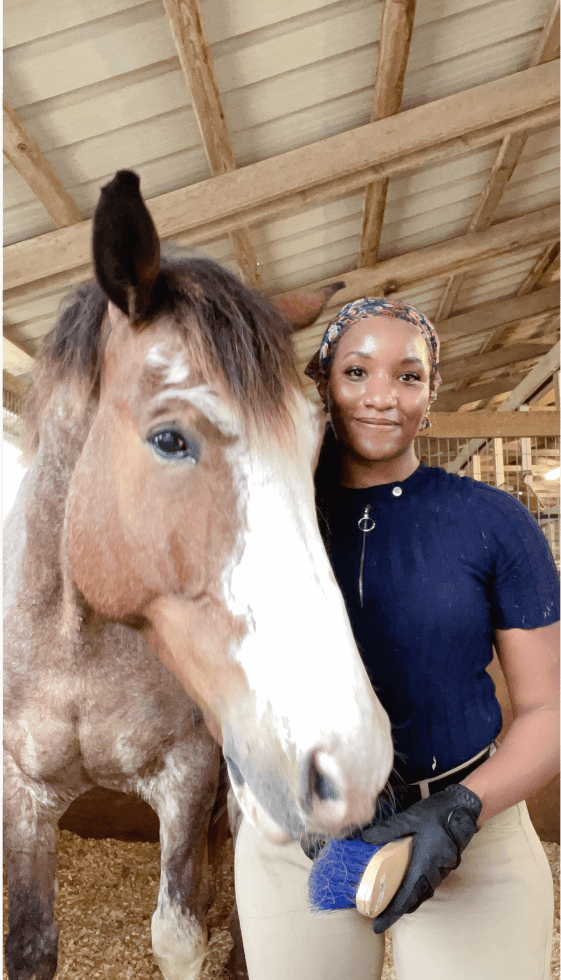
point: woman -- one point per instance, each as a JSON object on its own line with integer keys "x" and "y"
{"x": 434, "y": 570}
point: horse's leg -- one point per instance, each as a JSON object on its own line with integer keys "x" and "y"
{"x": 183, "y": 796}
{"x": 29, "y": 850}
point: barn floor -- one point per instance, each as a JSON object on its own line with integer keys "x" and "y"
{"x": 108, "y": 891}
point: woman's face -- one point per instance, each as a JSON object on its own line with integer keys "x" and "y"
{"x": 378, "y": 390}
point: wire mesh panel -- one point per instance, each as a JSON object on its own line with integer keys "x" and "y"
{"x": 527, "y": 467}
{"x": 11, "y": 417}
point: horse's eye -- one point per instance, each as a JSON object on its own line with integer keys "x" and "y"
{"x": 172, "y": 444}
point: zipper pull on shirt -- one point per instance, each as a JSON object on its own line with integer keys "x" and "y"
{"x": 365, "y": 524}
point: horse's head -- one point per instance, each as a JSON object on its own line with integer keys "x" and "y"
{"x": 191, "y": 516}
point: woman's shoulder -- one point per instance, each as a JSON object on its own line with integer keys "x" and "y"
{"x": 489, "y": 504}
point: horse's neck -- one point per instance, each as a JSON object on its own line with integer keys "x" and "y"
{"x": 62, "y": 434}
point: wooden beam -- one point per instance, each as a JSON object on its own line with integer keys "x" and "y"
{"x": 16, "y": 359}
{"x": 492, "y": 425}
{"x": 551, "y": 273}
{"x": 548, "y": 48}
{"x": 24, "y": 154}
{"x": 14, "y": 385}
{"x": 507, "y": 158}
{"x": 539, "y": 269}
{"x": 196, "y": 63}
{"x": 544, "y": 396}
{"x": 450, "y": 401}
{"x": 545, "y": 271}
{"x": 319, "y": 171}
{"x": 547, "y": 366}
{"x": 499, "y": 313}
{"x": 393, "y": 51}
{"x": 469, "y": 367}
{"x": 556, "y": 390}
{"x": 467, "y": 252}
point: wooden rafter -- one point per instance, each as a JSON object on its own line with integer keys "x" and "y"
{"x": 557, "y": 389}
{"x": 499, "y": 313}
{"x": 544, "y": 270}
{"x": 25, "y": 156}
{"x": 548, "y": 366}
{"x": 469, "y": 367}
{"x": 508, "y": 156}
{"x": 466, "y": 252}
{"x": 393, "y": 52}
{"x": 318, "y": 171}
{"x": 16, "y": 359}
{"x": 196, "y": 63}
{"x": 13, "y": 384}
{"x": 451, "y": 401}
{"x": 547, "y": 271}
{"x": 467, "y": 425}
{"x": 551, "y": 273}
{"x": 546, "y": 394}
{"x": 544, "y": 369}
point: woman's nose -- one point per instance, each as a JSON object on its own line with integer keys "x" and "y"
{"x": 380, "y": 393}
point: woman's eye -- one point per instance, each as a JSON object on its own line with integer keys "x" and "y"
{"x": 355, "y": 372}
{"x": 409, "y": 376}
{"x": 172, "y": 444}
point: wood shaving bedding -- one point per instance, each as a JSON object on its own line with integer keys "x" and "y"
{"x": 108, "y": 890}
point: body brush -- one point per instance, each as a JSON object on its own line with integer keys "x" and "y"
{"x": 351, "y": 873}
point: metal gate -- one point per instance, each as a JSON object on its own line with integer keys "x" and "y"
{"x": 525, "y": 466}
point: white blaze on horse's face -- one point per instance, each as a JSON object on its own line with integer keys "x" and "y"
{"x": 306, "y": 740}
{"x": 310, "y": 715}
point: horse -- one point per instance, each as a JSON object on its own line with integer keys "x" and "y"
{"x": 167, "y": 589}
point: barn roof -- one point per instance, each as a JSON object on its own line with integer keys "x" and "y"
{"x": 408, "y": 149}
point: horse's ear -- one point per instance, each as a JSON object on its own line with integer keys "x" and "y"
{"x": 301, "y": 309}
{"x": 126, "y": 247}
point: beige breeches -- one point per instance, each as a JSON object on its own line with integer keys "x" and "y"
{"x": 491, "y": 919}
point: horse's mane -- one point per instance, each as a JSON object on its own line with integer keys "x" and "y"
{"x": 243, "y": 338}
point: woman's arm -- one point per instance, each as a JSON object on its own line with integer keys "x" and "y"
{"x": 528, "y": 757}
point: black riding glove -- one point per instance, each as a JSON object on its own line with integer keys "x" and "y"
{"x": 441, "y": 826}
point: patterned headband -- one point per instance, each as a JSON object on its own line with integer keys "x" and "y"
{"x": 318, "y": 367}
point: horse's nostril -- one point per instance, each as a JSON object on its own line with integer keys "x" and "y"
{"x": 320, "y": 784}
{"x": 235, "y": 772}
{"x": 322, "y": 788}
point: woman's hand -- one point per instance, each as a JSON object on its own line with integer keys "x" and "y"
{"x": 442, "y": 826}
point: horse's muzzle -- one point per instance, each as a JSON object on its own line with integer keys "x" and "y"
{"x": 329, "y": 799}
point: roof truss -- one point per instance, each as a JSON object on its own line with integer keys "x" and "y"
{"x": 233, "y": 201}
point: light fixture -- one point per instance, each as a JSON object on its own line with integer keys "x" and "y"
{"x": 553, "y": 474}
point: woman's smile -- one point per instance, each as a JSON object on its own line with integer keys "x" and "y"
{"x": 376, "y": 422}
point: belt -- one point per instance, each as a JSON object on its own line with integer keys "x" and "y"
{"x": 405, "y": 794}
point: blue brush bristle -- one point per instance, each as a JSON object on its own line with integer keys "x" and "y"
{"x": 336, "y": 874}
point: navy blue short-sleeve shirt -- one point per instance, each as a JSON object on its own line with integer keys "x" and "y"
{"x": 448, "y": 561}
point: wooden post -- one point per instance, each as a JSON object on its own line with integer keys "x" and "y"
{"x": 556, "y": 390}
{"x": 499, "y": 462}
{"x": 526, "y": 454}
